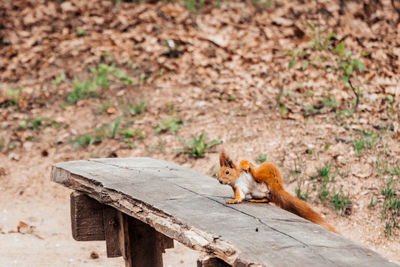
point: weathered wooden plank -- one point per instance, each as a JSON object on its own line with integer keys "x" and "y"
{"x": 112, "y": 225}
{"x": 190, "y": 208}
{"x": 86, "y": 218}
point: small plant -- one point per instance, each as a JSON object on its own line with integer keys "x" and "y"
{"x": 173, "y": 49}
{"x": 232, "y": 97}
{"x": 81, "y": 90}
{"x": 143, "y": 78}
{"x": 85, "y": 140}
{"x": 37, "y": 123}
{"x": 171, "y": 110}
{"x": 366, "y": 141}
{"x": 114, "y": 128}
{"x": 324, "y": 176}
{"x": 261, "y": 158}
{"x": 59, "y": 79}
{"x": 324, "y": 192}
{"x": 130, "y": 133}
{"x": 101, "y": 79}
{"x": 372, "y": 203}
{"x": 101, "y": 75}
{"x": 341, "y": 203}
{"x": 391, "y": 207}
{"x": 120, "y": 74}
{"x": 80, "y": 32}
{"x": 15, "y": 96}
{"x": 197, "y": 147}
{"x": 297, "y": 167}
{"x": 281, "y": 106}
{"x": 138, "y": 108}
{"x": 301, "y": 195}
{"x": 170, "y": 124}
{"x": 325, "y": 171}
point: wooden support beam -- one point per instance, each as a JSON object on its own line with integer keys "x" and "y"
{"x": 137, "y": 242}
{"x": 167, "y": 242}
{"x": 206, "y": 260}
{"x": 140, "y": 244}
{"x": 123, "y": 237}
{"x": 86, "y": 218}
{"x": 112, "y": 224}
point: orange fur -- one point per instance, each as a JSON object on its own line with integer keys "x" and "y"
{"x": 269, "y": 174}
{"x": 237, "y": 199}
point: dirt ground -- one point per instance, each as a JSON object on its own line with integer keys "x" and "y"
{"x": 266, "y": 79}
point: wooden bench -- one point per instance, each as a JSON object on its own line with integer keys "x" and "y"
{"x": 140, "y": 205}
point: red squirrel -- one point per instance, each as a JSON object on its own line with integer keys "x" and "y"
{"x": 263, "y": 185}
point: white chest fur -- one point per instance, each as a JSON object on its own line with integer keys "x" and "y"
{"x": 248, "y": 186}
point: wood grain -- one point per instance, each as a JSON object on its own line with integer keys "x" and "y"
{"x": 112, "y": 224}
{"x": 86, "y": 218}
{"x": 190, "y": 208}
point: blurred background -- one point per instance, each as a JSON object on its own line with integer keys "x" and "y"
{"x": 312, "y": 86}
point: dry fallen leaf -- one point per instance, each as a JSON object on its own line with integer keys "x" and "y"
{"x": 24, "y": 228}
{"x": 111, "y": 110}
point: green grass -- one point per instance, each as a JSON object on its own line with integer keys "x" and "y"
{"x": 171, "y": 125}
{"x": 80, "y": 32}
{"x": 82, "y": 90}
{"x": 324, "y": 52}
{"x": 130, "y": 133}
{"x": 366, "y": 141}
{"x": 261, "y": 158}
{"x": 391, "y": 206}
{"x": 325, "y": 171}
{"x": 37, "y": 123}
{"x": 13, "y": 97}
{"x": 59, "y": 79}
{"x": 324, "y": 177}
{"x": 138, "y": 108}
{"x": 341, "y": 203}
{"x": 101, "y": 79}
{"x": 301, "y": 195}
{"x": 197, "y": 147}
{"x": 119, "y": 129}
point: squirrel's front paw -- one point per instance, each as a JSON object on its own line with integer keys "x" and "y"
{"x": 233, "y": 201}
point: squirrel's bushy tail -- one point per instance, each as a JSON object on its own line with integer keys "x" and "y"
{"x": 299, "y": 207}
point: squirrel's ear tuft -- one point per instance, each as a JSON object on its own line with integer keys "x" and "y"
{"x": 230, "y": 164}
{"x": 222, "y": 158}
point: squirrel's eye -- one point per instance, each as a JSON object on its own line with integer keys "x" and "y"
{"x": 227, "y": 172}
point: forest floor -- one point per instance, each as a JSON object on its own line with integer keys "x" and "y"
{"x": 312, "y": 87}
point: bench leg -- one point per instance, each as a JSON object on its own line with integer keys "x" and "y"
{"x": 137, "y": 242}
{"x": 140, "y": 244}
{"x": 111, "y": 222}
